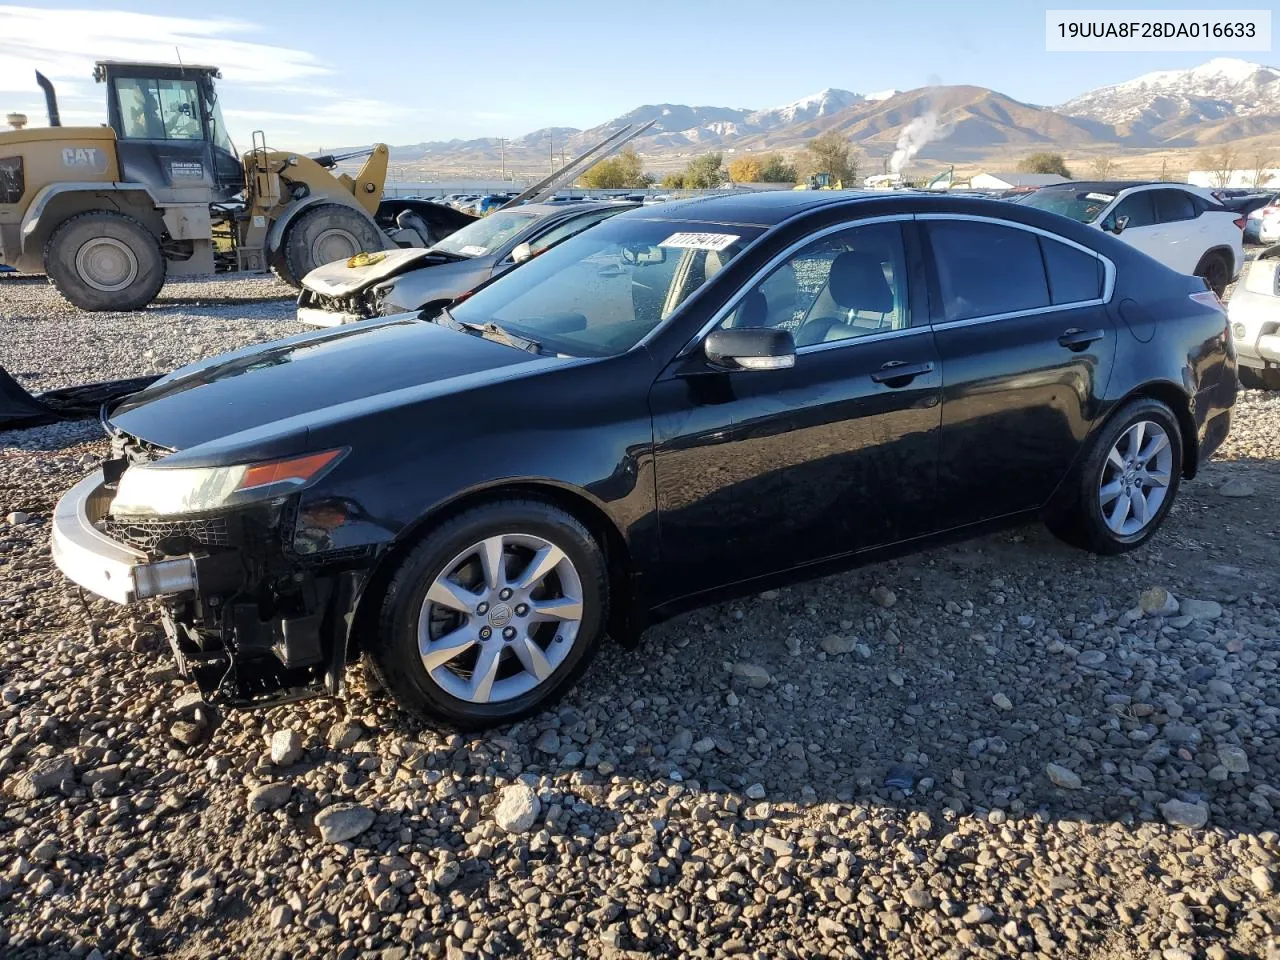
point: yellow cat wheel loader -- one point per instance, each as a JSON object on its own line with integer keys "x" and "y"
{"x": 158, "y": 191}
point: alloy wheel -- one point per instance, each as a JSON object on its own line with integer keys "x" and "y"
{"x": 1135, "y": 478}
{"x": 500, "y": 618}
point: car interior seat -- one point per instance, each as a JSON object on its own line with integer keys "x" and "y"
{"x": 858, "y": 287}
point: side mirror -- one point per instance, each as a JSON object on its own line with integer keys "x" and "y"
{"x": 755, "y": 348}
{"x": 1114, "y": 224}
{"x": 522, "y": 252}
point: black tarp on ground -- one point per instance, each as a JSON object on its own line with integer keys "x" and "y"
{"x": 19, "y": 409}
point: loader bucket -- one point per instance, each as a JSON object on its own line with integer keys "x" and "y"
{"x": 19, "y": 409}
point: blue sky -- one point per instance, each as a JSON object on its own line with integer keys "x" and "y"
{"x": 323, "y": 74}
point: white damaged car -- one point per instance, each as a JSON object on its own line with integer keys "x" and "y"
{"x": 398, "y": 281}
{"x": 1254, "y": 314}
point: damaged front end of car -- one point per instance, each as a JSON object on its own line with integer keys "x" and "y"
{"x": 256, "y": 610}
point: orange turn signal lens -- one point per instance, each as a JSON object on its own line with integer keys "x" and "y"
{"x": 294, "y": 470}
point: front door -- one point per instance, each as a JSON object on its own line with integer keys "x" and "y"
{"x": 761, "y": 471}
{"x": 1026, "y": 345}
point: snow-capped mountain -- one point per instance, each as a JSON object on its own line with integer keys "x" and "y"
{"x": 1165, "y": 104}
{"x": 815, "y": 105}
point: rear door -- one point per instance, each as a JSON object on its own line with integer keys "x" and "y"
{"x": 1186, "y": 234}
{"x": 1026, "y": 346}
{"x": 1138, "y": 214}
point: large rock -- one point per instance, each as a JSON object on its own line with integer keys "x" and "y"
{"x": 883, "y": 596}
{"x": 1181, "y": 814}
{"x": 269, "y": 796}
{"x": 755, "y": 675}
{"x": 342, "y": 821}
{"x": 286, "y": 748}
{"x": 345, "y": 733}
{"x": 1234, "y": 759}
{"x": 517, "y": 809}
{"x": 43, "y": 777}
{"x": 836, "y": 645}
{"x": 1237, "y": 488}
{"x": 1062, "y": 777}
{"x": 1158, "y": 602}
{"x": 1201, "y": 609}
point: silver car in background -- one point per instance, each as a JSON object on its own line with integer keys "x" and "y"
{"x": 399, "y": 281}
{"x": 1254, "y": 315}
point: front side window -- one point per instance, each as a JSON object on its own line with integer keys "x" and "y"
{"x": 159, "y": 109}
{"x": 1137, "y": 208}
{"x": 601, "y": 292}
{"x": 845, "y": 285}
{"x": 985, "y": 269}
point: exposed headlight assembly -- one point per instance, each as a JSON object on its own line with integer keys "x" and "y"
{"x": 156, "y": 490}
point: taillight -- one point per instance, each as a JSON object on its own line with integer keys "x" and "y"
{"x": 1270, "y": 210}
{"x": 1240, "y": 222}
{"x": 1207, "y": 298}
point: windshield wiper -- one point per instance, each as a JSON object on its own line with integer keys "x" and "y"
{"x": 489, "y": 330}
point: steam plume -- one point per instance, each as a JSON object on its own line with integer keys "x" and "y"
{"x": 915, "y": 135}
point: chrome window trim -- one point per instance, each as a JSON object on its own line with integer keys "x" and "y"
{"x": 764, "y": 271}
{"x": 1108, "y": 272}
{"x": 864, "y": 338}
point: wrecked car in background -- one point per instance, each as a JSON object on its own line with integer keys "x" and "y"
{"x": 1254, "y": 314}
{"x": 396, "y": 281}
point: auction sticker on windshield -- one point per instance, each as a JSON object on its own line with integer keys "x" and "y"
{"x": 473, "y": 250}
{"x": 700, "y": 241}
{"x": 1104, "y": 197}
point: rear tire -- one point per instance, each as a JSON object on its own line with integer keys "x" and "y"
{"x": 1254, "y": 379}
{"x": 1215, "y": 270}
{"x": 323, "y": 234}
{"x": 445, "y": 612}
{"x": 103, "y": 260}
{"x": 1123, "y": 494}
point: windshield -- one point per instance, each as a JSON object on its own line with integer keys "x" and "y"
{"x": 1084, "y": 206}
{"x": 485, "y": 237}
{"x": 599, "y": 293}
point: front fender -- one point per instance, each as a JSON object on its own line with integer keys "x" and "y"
{"x": 276, "y": 232}
{"x": 36, "y": 226}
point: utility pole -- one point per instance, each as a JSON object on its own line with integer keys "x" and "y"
{"x": 502, "y": 146}
{"x": 551, "y": 139}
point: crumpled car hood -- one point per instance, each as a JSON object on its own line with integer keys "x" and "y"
{"x": 339, "y": 280}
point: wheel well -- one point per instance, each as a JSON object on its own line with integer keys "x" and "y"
{"x": 1173, "y": 398}
{"x": 616, "y": 552}
{"x": 71, "y": 203}
{"x": 1222, "y": 253}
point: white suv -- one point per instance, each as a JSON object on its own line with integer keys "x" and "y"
{"x": 1182, "y": 226}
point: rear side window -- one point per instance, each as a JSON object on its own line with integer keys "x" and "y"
{"x": 1174, "y": 205}
{"x": 1074, "y": 276}
{"x": 986, "y": 269}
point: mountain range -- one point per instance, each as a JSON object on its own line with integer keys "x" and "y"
{"x": 1217, "y": 102}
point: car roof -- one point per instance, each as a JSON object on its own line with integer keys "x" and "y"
{"x": 762, "y": 209}
{"x": 1110, "y": 186}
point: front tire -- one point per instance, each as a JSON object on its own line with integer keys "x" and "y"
{"x": 323, "y": 234}
{"x": 493, "y": 616}
{"x": 1127, "y": 482}
{"x": 102, "y": 260}
{"x": 1254, "y": 379}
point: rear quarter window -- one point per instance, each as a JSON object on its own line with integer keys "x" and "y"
{"x": 1074, "y": 276}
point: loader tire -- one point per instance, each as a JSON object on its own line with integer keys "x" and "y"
{"x": 323, "y": 234}
{"x": 102, "y": 260}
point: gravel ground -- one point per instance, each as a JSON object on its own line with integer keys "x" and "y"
{"x": 982, "y": 750}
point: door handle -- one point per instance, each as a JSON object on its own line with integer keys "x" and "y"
{"x": 898, "y": 373}
{"x": 1077, "y": 339}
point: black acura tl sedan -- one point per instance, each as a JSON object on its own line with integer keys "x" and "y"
{"x": 684, "y": 403}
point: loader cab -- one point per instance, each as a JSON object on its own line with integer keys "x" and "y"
{"x": 170, "y": 132}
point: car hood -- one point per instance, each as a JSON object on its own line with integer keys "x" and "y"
{"x": 277, "y": 389}
{"x": 339, "y": 280}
